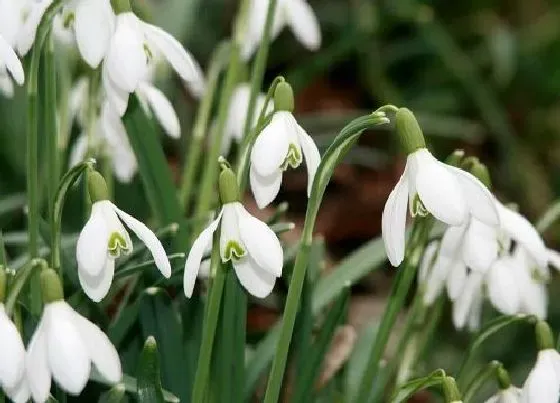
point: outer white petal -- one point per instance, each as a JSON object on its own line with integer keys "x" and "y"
{"x": 554, "y": 259}
{"x": 9, "y": 58}
{"x": 436, "y": 280}
{"x": 467, "y": 300}
{"x": 542, "y": 384}
{"x": 438, "y": 188}
{"x": 102, "y": 352}
{"x": 393, "y": 221}
{"x": 162, "y": 108}
{"x": 520, "y": 229}
{"x": 26, "y": 36}
{"x": 256, "y": 280}
{"x": 456, "y": 279}
{"x": 271, "y": 147}
{"x": 480, "y": 248}
{"x": 150, "y": 240}
{"x": 427, "y": 262}
{"x": 304, "y": 24}
{"x": 6, "y": 85}
{"x": 480, "y": 202}
{"x": 255, "y": 26}
{"x": 265, "y": 188}
{"x": 533, "y": 294}
{"x": 97, "y": 287}
{"x": 12, "y": 352}
{"x": 94, "y": 26}
{"x": 262, "y": 243}
{"x": 20, "y": 393}
{"x": 37, "y": 368}
{"x": 451, "y": 242}
{"x": 122, "y": 155}
{"x": 92, "y": 247}
{"x": 311, "y": 154}
{"x": 503, "y": 291}
{"x": 192, "y": 264}
{"x": 117, "y": 96}
{"x": 78, "y": 151}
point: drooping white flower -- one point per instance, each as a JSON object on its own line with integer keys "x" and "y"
{"x": 543, "y": 383}
{"x": 281, "y": 144}
{"x": 297, "y": 14}
{"x": 103, "y": 238}
{"x": 134, "y": 45}
{"x": 12, "y": 357}
{"x": 509, "y": 395}
{"x": 64, "y": 347}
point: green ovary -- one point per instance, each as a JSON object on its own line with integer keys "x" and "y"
{"x": 116, "y": 244}
{"x": 293, "y": 158}
{"x": 233, "y": 251}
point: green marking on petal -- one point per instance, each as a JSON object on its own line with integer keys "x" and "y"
{"x": 68, "y": 20}
{"x": 148, "y": 52}
{"x": 418, "y": 208}
{"x": 116, "y": 244}
{"x": 538, "y": 276}
{"x": 234, "y": 251}
{"x": 293, "y": 158}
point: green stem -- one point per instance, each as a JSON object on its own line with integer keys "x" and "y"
{"x": 200, "y": 128}
{"x": 399, "y": 291}
{"x": 3, "y": 256}
{"x": 484, "y": 375}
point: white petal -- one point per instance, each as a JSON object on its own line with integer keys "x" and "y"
{"x": 271, "y": 147}
{"x": 20, "y": 393}
{"x": 456, "y": 279}
{"x": 494, "y": 399}
{"x": 436, "y": 280}
{"x": 12, "y": 352}
{"x": 480, "y": 247}
{"x": 451, "y": 242}
{"x": 262, "y": 243}
{"x": 463, "y": 305}
{"x": 554, "y": 259}
{"x": 117, "y": 96}
{"x": 503, "y": 291}
{"x": 475, "y": 315}
{"x": 37, "y": 369}
{"x": 533, "y": 295}
{"x": 304, "y": 24}
{"x": 311, "y": 154}
{"x": 257, "y": 281}
{"x": 438, "y": 188}
{"x": 78, "y": 151}
{"x": 427, "y": 262}
{"x": 255, "y": 26}
{"x": 9, "y": 58}
{"x": 6, "y": 85}
{"x": 542, "y": 384}
{"x": 26, "y": 36}
{"x": 264, "y": 188}
{"x": 150, "y": 240}
{"x": 92, "y": 247}
{"x": 97, "y": 287}
{"x": 162, "y": 108}
{"x": 393, "y": 221}
{"x": 94, "y": 26}
{"x": 199, "y": 246}
{"x": 102, "y": 352}
{"x": 480, "y": 202}
{"x": 230, "y": 232}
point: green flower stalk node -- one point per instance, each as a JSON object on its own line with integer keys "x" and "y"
{"x": 51, "y": 286}
{"x": 121, "y": 6}
{"x": 408, "y": 130}
{"x": 543, "y": 333}
{"x": 97, "y": 187}
{"x": 284, "y": 97}
{"x": 502, "y": 375}
{"x": 2, "y": 284}
{"x": 450, "y": 390}
{"x": 229, "y": 189}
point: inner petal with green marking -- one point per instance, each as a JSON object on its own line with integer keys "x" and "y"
{"x": 234, "y": 251}
{"x": 417, "y": 207}
{"x": 293, "y": 158}
{"x": 116, "y": 244}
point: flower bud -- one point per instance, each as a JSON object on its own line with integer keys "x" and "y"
{"x": 229, "y": 189}
{"x": 97, "y": 187}
{"x": 408, "y": 130}
{"x": 51, "y": 287}
{"x": 450, "y": 390}
{"x": 2, "y": 284}
{"x": 543, "y": 334}
{"x": 121, "y": 6}
{"x": 284, "y": 97}
{"x": 455, "y": 158}
{"x": 503, "y": 378}
{"x": 479, "y": 170}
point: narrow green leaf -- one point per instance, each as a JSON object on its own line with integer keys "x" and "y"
{"x": 3, "y": 256}
{"x": 114, "y": 395}
{"x": 410, "y": 388}
{"x": 149, "y": 383}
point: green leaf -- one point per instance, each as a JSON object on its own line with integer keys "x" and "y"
{"x": 131, "y": 386}
{"x": 149, "y": 383}
{"x": 405, "y": 391}
{"x": 114, "y": 395}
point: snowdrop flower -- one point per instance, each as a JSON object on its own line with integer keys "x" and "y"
{"x": 297, "y": 14}
{"x": 450, "y": 194}
{"x": 252, "y": 247}
{"x": 92, "y": 21}
{"x": 103, "y": 238}
{"x": 451, "y": 391}
{"x": 134, "y": 45}
{"x": 543, "y": 383}
{"x": 282, "y": 144}
{"x": 65, "y": 345}
{"x": 237, "y": 113}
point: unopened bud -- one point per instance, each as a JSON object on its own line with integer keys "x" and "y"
{"x": 284, "y": 97}
{"x": 97, "y": 187}
{"x": 479, "y": 170}
{"x": 450, "y": 390}
{"x": 455, "y": 158}
{"x": 408, "y": 130}
{"x": 503, "y": 378}
{"x": 51, "y": 287}
{"x": 229, "y": 189}
{"x": 543, "y": 333}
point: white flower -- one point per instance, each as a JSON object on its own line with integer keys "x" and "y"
{"x": 63, "y": 347}
{"x": 543, "y": 383}
{"x": 450, "y": 194}
{"x": 281, "y": 144}
{"x": 252, "y": 247}
{"x": 297, "y": 14}
{"x": 11, "y": 18}
{"x": 133, "y": 47}
{"x": 93, "y": 23}
{"x": 12, "y": 356}
{"x": 101, "y": 241}
{"x": 509, "y": 395}
{"x": 237, "y": 113}
{"x": 9, "y": 63}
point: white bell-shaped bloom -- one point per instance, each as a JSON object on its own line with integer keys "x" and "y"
{"x": 450, "y": 194}
{"x": 297, "y": 14}
{"x": 133, "y": 47}
{"x": 12, "y": 356}
{"x": 282, "y": 144}
{"x": 92, "y": 21}
{"x": 467, "y": 306}
{"x": 64, "y": 347}
{"x": 102, "y": 240}
{"x": 543, "y": 383}
{"x": 156, "y": 103}
{"x": 237, "y": 113}
{"x": 509, "y": 395}
{"x": 252, "y": 247}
